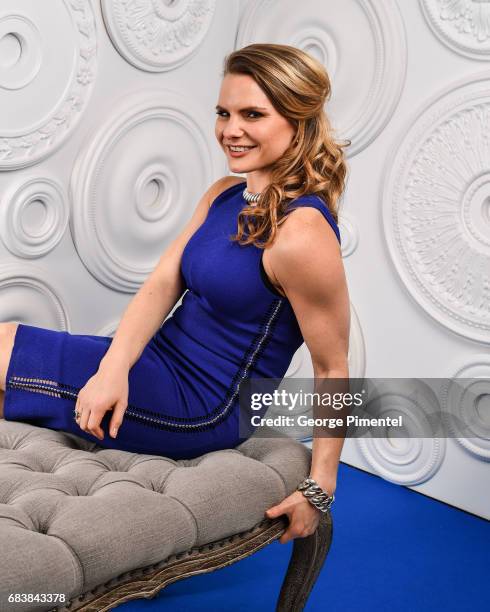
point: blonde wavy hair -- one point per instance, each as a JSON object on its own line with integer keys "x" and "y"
{"x": 298, "y": 87}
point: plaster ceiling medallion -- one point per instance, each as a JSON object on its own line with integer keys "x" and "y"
{"x": 136, "y": 183}
{"x": 26, "y": 296}
{"x": 436, "y": 207}
{"x": 463, "y": 25}
{"x": 415, "y": 458}
{"x": 357, "y": 347}
{"x": 465, "y": 401}
{"x": 47, "y": 68}
{"x": 349, "y": 234}
{"x": 363, "y": 99}
{"x": 109, "y": 329}
{"x": 33, "y": 217}
{"x": 157, "y": 35}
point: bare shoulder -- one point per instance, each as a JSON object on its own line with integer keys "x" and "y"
{"x": 223, "y": 184}
{"x": 300, "y": 218}
{"x": 306, "y": 258}
{"x": 304, "y": 233}
{"x": 303, "y": 243}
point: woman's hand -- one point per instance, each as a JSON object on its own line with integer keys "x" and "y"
{"x": 107, "y": 390}
{"x": 303, "y": 516}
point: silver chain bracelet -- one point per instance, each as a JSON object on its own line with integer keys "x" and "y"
{"x": 315, "y": 495}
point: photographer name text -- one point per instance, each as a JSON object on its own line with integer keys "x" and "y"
{"x": 331, "y": 423}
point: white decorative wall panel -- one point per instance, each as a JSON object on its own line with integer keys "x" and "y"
{"x": 409, "y": 460}
{"x": 463, "y": 25}
{"x": 357, "y": 347}
{"x": 61, "y": 85}
{"x": 344, "y": 35}
{"x": 49, "y": 62}
{"x": 436, "y": 210}
{"x": 423, "y": 250}
{"x": 349, "y": 233}
{"x": 128, "y": 187}
{"x": 26, "y": 295}
{"x": 33, "y": 216}
{"x": 157, "y": 36}
{"x": 467, "y": 404}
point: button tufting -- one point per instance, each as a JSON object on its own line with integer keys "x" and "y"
{"x": 147, "y": 523}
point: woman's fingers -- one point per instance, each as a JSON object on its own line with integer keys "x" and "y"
{"x": 89, "y": 420}
{"x": 93, "y": 425}
{"x": 117, "y": 418}
{"x": 297, "y": 529}
{"x": 303, "y": 517}
{"x": 84, "y": 415}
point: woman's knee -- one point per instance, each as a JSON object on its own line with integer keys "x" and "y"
{"x": 7, "y": 335}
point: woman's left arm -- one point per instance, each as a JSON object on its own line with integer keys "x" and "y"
{"x": 307, "y": 263}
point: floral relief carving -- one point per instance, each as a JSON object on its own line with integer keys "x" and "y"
{"x": 469, "y": 16}
{"x": 436, "y": 209}
{"x": 157, "y": 35}
{"x": 462, "y": 24}
{"x": 28, "y": 147}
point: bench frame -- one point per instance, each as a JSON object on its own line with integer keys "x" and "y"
{"x": 306, "y": 561}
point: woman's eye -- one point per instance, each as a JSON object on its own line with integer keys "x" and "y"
{"x": 222, "y": 113}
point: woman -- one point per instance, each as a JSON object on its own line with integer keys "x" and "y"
{"x": 252, "y": 297}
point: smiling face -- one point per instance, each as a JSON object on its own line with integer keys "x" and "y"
{"x": 245, "y": 117}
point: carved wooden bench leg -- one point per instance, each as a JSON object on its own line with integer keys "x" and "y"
{"x": 304, "y": 566}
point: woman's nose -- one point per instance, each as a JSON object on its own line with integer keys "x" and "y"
{"x": 233, "y": 127}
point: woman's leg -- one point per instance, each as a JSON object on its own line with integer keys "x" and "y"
{"x": 170, "y": 410}
{"x": 7, "y": 335}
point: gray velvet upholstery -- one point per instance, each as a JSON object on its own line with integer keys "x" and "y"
{"x": 74, "y": 514}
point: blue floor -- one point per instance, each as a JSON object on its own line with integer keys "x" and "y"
{"x": 393, "y": 550}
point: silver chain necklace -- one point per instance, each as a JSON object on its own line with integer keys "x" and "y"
{"x": 252, "y": 198}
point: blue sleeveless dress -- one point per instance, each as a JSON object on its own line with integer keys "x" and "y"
{"x": 231, "y": 325}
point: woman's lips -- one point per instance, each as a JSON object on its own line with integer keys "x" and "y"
{"x": 239, "y": 153}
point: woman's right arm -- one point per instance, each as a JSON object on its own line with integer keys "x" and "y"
{"x": 159, "y": 293}
{"x": 108, "y": 388}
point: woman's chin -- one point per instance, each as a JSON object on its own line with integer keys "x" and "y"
{"x": 236, "y": 166}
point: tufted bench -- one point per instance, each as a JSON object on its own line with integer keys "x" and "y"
{"x": 103, "y": 526}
